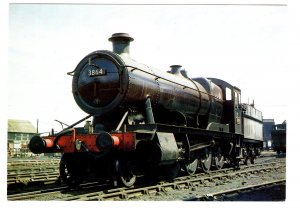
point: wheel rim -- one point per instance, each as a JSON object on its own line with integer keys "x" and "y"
{"x": 206, "y": 159}
{"x": 125, "y": 173}
{"x": 191, "y": 168}
{"x": 219, "y": 159}
{"x": 219, "y": 162}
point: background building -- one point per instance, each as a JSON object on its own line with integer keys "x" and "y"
{"x": 268, "y": 124}
{"x": 19, "y": 134}
{"x": 279, "y": 137}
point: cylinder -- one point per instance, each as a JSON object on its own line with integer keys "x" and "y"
{"x": 38, "y": 145}
{"x": 104, "y": 141}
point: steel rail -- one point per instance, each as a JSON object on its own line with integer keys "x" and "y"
{"x": 124, "y": 193}
{"x": 45, "y": 192}
{"x": 24, "y": 163}
{"x": 183, "y": 181}
{"x": 27, "y": 170}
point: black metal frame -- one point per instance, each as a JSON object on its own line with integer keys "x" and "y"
{"x": 156, "y": 127}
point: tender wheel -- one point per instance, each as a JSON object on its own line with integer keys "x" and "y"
{"x": 206, "y": 159}
{"x": 191, "y": 168}
{"x": 245, "y": 156}
{"x": 249, "y": 155}
{"x": 125, "y": 174}
{"x": 218, "y": 159}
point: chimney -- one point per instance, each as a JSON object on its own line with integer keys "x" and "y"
{"x": 120, "y": 43}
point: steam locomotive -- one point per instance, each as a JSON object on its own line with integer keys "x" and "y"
{"x": 148, "y": 122}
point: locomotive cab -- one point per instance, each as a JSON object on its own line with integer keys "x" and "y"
{"x": 232, "y": 105}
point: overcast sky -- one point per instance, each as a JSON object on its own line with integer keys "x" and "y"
{"x": 243, "y": 45}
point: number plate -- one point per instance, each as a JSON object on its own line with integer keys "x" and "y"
{"x": 97, "y": 72}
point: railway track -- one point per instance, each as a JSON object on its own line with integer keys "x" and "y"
{"x": 44, "y": 176}
{"x": 91, "y": 192}
{"x": 220, "y": 195}
{"x": 29, "y": 171}
{"x": 52, "y": 191}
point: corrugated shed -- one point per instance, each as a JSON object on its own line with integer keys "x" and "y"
{"x": 20, "y": 126}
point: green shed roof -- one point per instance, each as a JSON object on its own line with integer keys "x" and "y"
{"x": 20, "y": 126}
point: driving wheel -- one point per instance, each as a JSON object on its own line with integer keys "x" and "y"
{"x": 191, "y": 168}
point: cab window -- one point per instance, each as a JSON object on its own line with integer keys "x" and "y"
{"x": 228, "y": 94}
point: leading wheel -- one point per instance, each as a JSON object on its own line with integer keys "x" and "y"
{"x": 125, "y": 174}
{"x": 63, "y": 171}
{"x": 206, "y": 159}
{"x": 65, "y": 174}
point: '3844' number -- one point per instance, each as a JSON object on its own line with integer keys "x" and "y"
{"x": 96, "y": 72}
